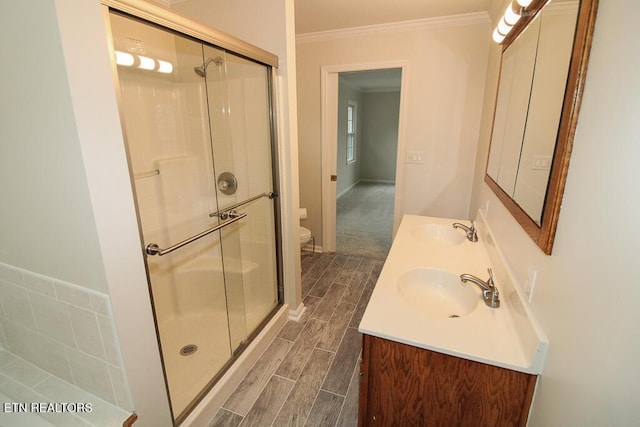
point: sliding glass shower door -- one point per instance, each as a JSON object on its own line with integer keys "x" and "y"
{"x": 198, "y": 127}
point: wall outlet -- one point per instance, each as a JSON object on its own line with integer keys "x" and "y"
{"x": 416, "y": 157}
{"x": 530, "y": 284}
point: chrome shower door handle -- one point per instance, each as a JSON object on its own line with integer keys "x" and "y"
{"x": 154, "y": 249}
{"x": 224, "y": 215}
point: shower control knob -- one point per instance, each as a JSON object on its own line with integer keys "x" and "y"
{"x": 227, "y": 183}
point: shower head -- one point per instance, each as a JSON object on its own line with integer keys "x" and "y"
{"x": 199, "y": 71}
{"x": 202, "y": 70}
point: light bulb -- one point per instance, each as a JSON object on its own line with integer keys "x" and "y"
{"x": 503, "y": 27}
{"x": 124, "y": 58}
{"x": 497, "y": 37}
{"x": 164, "y": 67}
{"x": 511, "y": 16}
{"x": 146, "y": 63}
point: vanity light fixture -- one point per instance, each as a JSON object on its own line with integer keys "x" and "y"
{"x": 511, "y": 16}
{"x": 143, "y": 62}
{"x": 515, "y": 10}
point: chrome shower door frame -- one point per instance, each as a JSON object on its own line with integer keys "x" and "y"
{"x": 169, "y": 20}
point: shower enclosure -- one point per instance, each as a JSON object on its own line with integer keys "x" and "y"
{"x": 200, "y": 136}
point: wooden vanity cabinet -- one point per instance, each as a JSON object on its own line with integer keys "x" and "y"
{"x": 402, "y": 385}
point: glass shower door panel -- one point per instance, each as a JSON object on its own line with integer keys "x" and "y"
{"x": 215, "y": 76}
{"x": 168, "y": 140}
{"x": 249, "y": 258}
{"x": 242, "y": 145}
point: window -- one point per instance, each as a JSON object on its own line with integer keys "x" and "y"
{"x": 351, "y": 133}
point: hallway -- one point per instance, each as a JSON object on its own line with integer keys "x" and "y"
{"x": 364, "y": 220}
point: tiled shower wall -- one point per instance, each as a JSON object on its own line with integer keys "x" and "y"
{"x": 65, "y": 330}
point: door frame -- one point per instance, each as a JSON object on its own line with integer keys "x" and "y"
{"x": 329, "y": 141}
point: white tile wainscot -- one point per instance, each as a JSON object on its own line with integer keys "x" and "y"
{"x": 58, "y": 343}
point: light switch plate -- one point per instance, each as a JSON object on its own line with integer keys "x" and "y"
{"x": 541, "y": 162}
{"x": 415, "y": 157}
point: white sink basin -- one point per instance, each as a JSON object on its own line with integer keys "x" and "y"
{"x": 437, "y": 293}
{"x": 434, "y": 233}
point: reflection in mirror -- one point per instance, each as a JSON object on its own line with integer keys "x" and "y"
{"x": 531, "y": 90}
{"x": 555, "y": 42}
{"x": 516, "y": 76}
{"x": 542, "y": 73}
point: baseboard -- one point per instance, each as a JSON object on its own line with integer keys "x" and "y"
{"x": 342, "y": 193}
{"x": 317, "y": 249}
{"x": 296, "y": 314}
{"x": 378, "y": 181}
{"x": 375, "y": 181}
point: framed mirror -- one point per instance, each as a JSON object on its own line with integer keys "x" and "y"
{"x": 542, "y": 74}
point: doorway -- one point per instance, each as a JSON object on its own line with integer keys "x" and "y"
{"x": 367, "y": 146}
{"x": 377, "y": 167}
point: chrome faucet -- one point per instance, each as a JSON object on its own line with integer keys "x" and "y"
{"x": 490, "y": 293}
{"x": 472, "y": 234}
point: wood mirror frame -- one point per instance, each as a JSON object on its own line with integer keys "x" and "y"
{"x": 544, "y": 233}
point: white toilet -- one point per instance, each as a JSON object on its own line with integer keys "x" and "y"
{"x": 305, "y": 237}
{"x": 305, "y": 233}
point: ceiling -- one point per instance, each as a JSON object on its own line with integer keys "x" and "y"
{"x": 325, "y": 15}
{"x": 374, "y": 80}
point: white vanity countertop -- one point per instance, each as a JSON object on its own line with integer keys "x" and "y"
{"x": 507, "y": 336}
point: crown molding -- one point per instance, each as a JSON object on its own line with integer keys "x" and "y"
{"x": 397, "y": 27}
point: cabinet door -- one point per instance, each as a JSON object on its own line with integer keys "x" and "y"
{"x": 407, "y": 386}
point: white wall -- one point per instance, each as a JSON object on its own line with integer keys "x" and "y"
{"x": 446, "y": 75}
{"x": 380, "y": 112}
{"x": 587, "y": 292}
{"x": 232, "y": 17}
{"x": 46, "y": 217}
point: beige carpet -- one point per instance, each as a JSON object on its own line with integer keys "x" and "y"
{"x": 364, "y": 220}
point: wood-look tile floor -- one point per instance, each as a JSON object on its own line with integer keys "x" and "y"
{"x": 308, "y": 376}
